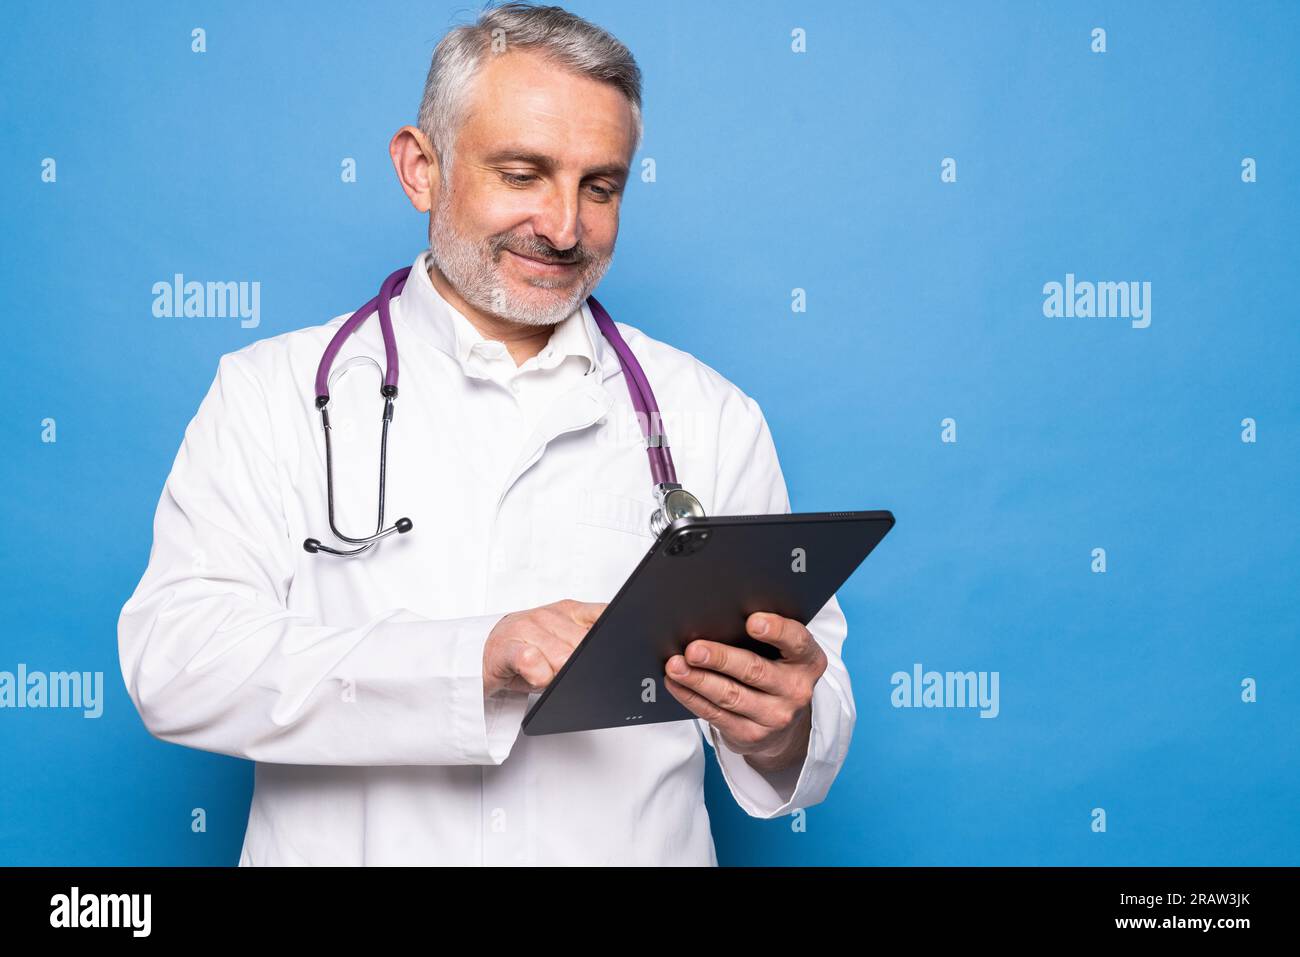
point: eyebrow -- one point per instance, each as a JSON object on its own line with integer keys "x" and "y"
{"x": 511, "y": 154}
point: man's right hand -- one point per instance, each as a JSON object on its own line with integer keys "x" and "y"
{"x": 527, "y": 649}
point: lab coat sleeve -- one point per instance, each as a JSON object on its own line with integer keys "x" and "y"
{"x": 750, "y": 482}
{"x": 213, "y": 659}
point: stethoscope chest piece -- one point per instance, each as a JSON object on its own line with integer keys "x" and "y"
{"x": 674, "y": 503}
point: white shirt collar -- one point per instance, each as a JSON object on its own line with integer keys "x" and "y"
{"x": 424, "y": 308}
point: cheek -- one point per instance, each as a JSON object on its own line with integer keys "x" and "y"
{"x": 600, "y": 229}
{"x": 482, "y": 213}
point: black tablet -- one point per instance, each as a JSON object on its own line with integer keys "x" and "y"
{"x": 702, "y": 578}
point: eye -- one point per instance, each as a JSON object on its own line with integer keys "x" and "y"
{"x": 517, "y": 179}
{"x": 602, "y": 192}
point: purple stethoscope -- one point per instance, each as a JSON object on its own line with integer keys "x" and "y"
{"x": 673, "y": 501}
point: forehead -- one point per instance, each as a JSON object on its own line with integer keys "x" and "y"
{"x": 524, "y": 98}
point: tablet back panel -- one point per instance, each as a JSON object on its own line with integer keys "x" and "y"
{"x": 701, "y": 579}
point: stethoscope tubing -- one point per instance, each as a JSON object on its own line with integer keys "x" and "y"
{"x": 662, "y": 470}
{"x": 643, "y": 398}
{"x": 392, "y": 286}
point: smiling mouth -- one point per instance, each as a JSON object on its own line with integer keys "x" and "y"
{"x": 545, "y": 264}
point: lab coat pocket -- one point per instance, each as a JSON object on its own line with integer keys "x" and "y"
{"x": 613, "y": 534}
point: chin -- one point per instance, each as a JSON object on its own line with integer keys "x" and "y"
{"x": 533, "y": 313}
{"x": 539, "y": 306}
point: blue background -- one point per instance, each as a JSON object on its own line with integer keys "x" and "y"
{"x": 775, "y": 170}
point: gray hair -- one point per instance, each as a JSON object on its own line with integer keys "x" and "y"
{"x": 572, "y": 42}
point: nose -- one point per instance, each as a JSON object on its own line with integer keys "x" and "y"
{"x": 557, "y": 220}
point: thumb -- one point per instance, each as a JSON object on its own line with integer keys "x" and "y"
{"x": 588, "y": 611}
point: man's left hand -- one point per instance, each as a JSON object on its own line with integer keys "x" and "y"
{"x": 761, "y": 707}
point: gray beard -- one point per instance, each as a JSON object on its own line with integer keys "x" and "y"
{"x": 473, "y": 269}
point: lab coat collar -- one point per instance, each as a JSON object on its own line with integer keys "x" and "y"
{"x": 443, "y": 326}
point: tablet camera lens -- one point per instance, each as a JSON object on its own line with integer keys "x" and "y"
{"x": 687, "y": 542}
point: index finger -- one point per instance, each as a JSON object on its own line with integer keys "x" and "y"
{"x": 795, "y": 642}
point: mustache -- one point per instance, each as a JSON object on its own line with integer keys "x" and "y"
{"x": 538, "y": 249}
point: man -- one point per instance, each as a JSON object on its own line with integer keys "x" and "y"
{"x": 381, "y": 696}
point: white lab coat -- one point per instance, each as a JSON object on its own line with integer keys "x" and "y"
{"x": 356, "y": 684}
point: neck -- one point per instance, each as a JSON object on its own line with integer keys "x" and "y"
{"x": 522, "y": 340}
